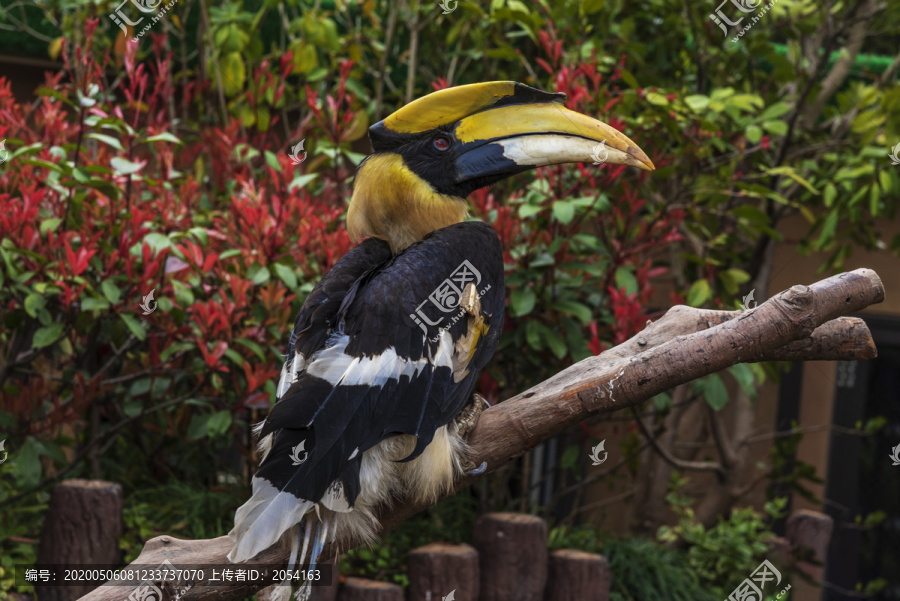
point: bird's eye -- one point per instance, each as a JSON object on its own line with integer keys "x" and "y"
{"x": 441, "y": 143}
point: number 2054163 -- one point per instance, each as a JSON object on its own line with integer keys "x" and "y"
{"x": 301, "y": 575}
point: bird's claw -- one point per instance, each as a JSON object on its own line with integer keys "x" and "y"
{"x": 479, "y": 470}
{"x": 468, "y": 417}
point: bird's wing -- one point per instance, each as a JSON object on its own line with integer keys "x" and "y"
{"x": 380, "y": 374}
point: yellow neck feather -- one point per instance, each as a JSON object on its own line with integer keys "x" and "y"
{"x": 394, "y": 204}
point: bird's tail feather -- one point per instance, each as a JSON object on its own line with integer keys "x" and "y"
{"x": 260, "y": 522}
{"x": 321, "y": 536}
{"x": 283, "y": 591}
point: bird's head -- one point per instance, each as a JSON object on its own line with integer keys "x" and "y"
{"x": 432, "y": 153}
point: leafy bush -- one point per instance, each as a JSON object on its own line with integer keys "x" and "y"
{"x": 724, "y": 555}
{"x": 641, "y": 570}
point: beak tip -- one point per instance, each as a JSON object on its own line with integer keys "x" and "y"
{"x": 642, "y": 160}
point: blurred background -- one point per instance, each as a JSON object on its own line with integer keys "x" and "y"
{"x": 174, "y": 177}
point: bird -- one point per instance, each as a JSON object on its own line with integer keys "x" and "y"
{"x": 386, "y": 350}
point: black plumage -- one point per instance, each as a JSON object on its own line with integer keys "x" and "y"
{"x": 375, "y": 313}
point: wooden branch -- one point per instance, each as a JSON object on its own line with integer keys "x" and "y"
{"x": 801, "y": 323}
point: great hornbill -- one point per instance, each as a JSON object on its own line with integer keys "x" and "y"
{"x": 387, "y": 348}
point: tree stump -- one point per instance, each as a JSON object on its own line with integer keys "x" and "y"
{"x": 363, "y": 589}
{"x": 438, "y": 569}
{"x": 83, "y": 523}
{"x": 512, "y": 552}
{"x": 577, "y": 576}
{"x": 326, "y": 591}
{"x": 809, "y": 533}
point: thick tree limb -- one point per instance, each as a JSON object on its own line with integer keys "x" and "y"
{"x": 802, "y": 323}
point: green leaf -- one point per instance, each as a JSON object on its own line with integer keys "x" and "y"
{"x": 579, "y": 310}
{"x": 662, "y": 401}
{"x": 526, "y": 210}
{"x": 109, "y": 140}
{"x": 51, "y": 224}
{"x": 569, "y": 457}
{"x": 198, "y": 427}
{"x": 300, "y": 181}
{"x": 132, "y": 407}
{"x": 157, "y": 241}
{"x": 828, "y": 229}
{"x": 34, "y": 302}
{"x": 522, "y": 301}
{"x": 94, "y": 304}
{"x": 134, "y": 325}
{"x": 789, "y": 171}
{"x": 124, "y": 167}
{"x": 533, "y": 335}
{"x": 715, "y": 392}
{"x": 27, "y": 465}
{"x": 747, "y": 102}
{"x": 625, "y": 279}
{"x": 47, "y": 335}
{"x": 778, "y": 128}
{"x": 258, "y": 274}
{"x": 699, "y": 293}
{"x": 697, "y": 102}
{"x": 233, "y": 73}
{"x": 563, "y": 211}
{"x": 556, "y": 343}
{"x": 830, "y": 194}
{"x": 754, "y": 134}
{"x": 775, "y": 111}
{"x": 272, "y": 160}
{"x": 657, "y": 99}
{"x": 744, "y": 376}
{"x": 164, "y": 137}
{"x": 219, "y": 423}
{"x": 286, "y": 275}
{"x": 111, "y": 292}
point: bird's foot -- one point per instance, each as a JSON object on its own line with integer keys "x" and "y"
{"x": 465, "y": 423}
{"x": 468, "y": 417}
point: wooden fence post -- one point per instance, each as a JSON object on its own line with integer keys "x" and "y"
{"x": 577, "y": 576}
{"x": 83, "y": 524}
{"x": 437, "y": 569}
{"x": 811, "y": 530}
{"x": 512, "y": 551}
{"x": 362, "y": 589}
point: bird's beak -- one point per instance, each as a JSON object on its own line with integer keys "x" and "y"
{"x": 516, "y": 137}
